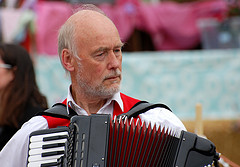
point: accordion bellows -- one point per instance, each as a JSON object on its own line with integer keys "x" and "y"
{"x": 99, "y": 141}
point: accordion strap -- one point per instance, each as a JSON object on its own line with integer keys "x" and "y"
{"x": 59, "y": 110}
{"x": 141, "y": 107}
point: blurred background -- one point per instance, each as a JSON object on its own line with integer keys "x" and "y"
{"x": 178, "y": 52}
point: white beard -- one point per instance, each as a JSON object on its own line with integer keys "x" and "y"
{"x": 99, "y": 90}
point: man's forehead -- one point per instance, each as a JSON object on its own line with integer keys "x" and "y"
{"x": 88, "y": 20}
{"x": 88, "y": 14}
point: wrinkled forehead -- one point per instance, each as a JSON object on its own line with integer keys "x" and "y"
{"x": 89, "y": 18}
{"x": 91, "y": 23}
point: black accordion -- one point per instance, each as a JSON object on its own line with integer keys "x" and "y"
{"x": 99, "y": 141}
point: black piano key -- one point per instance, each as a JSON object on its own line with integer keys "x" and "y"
{"x": 55, "y": 138}
{"x": 53, "y": 145}
{"x": 52, "y": 153}
{"x": 50, "y": 164}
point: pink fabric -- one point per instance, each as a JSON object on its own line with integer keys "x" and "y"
{"x": 172, "y": 26}
{"x": 9, "y": 23}
{"x": 50, "y": 16}
{"x": 123, "y": 2}
{"x": 124, "y": 17}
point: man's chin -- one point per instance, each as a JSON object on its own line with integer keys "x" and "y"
{"x": 109, "y": 92}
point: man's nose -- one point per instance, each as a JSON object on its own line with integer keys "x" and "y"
{"x": 114, "y": 60}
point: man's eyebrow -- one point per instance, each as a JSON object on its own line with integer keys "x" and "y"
{"x": 100, "y": 49}
{"x": 120, "y": 45}
{"x": 106, "y": 48}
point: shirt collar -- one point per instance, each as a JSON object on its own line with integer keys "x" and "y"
{"x": 70, "y": 102}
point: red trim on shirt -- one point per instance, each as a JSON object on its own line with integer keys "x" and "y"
{"x": 54, "y": 122}
{"x": 128, "y": 103}
{"x": 65, "y": 101}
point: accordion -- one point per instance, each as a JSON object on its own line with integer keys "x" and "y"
{"x": 99, "y": 141}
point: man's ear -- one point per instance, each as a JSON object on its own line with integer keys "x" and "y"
{"x": 67, "y": 60}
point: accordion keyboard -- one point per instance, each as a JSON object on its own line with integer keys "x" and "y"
{"x": 47, "y": 147}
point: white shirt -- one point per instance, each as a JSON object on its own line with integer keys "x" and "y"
{"x": 15, "y": 153}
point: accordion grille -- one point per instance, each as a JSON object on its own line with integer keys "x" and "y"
{"x": 139, "y": 144}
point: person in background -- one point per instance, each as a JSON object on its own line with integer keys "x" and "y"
{"x": 90, "y": 50}
{"x": 20, "y": 98}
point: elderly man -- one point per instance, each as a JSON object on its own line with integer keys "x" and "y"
{"x": 90, "y": 50}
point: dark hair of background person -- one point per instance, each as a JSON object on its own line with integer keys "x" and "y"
{"x": 21, "y": 99}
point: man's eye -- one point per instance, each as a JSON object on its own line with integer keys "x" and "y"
{"x": 100, "y": 54}
{"x": 117, "y": 50}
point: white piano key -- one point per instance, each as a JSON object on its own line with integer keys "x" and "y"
{"x": 41, "y": 143}
{"x": 39, "y": 157}
{"x": 39, "y": 163}
{"x": 40, "y": 137}
{"x": 35, "y": 151}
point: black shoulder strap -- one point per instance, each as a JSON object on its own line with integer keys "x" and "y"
{"x": 58, "y": 110}
{"x": 142, "y": 107}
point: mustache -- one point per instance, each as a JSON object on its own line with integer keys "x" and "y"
{"x": 114, "y": 73}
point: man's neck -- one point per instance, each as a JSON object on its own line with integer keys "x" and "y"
{"x": 90, "y": 104}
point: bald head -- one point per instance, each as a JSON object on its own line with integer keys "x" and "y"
{"x": 89, "y": 18}
{"x": 85, "y": 27}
